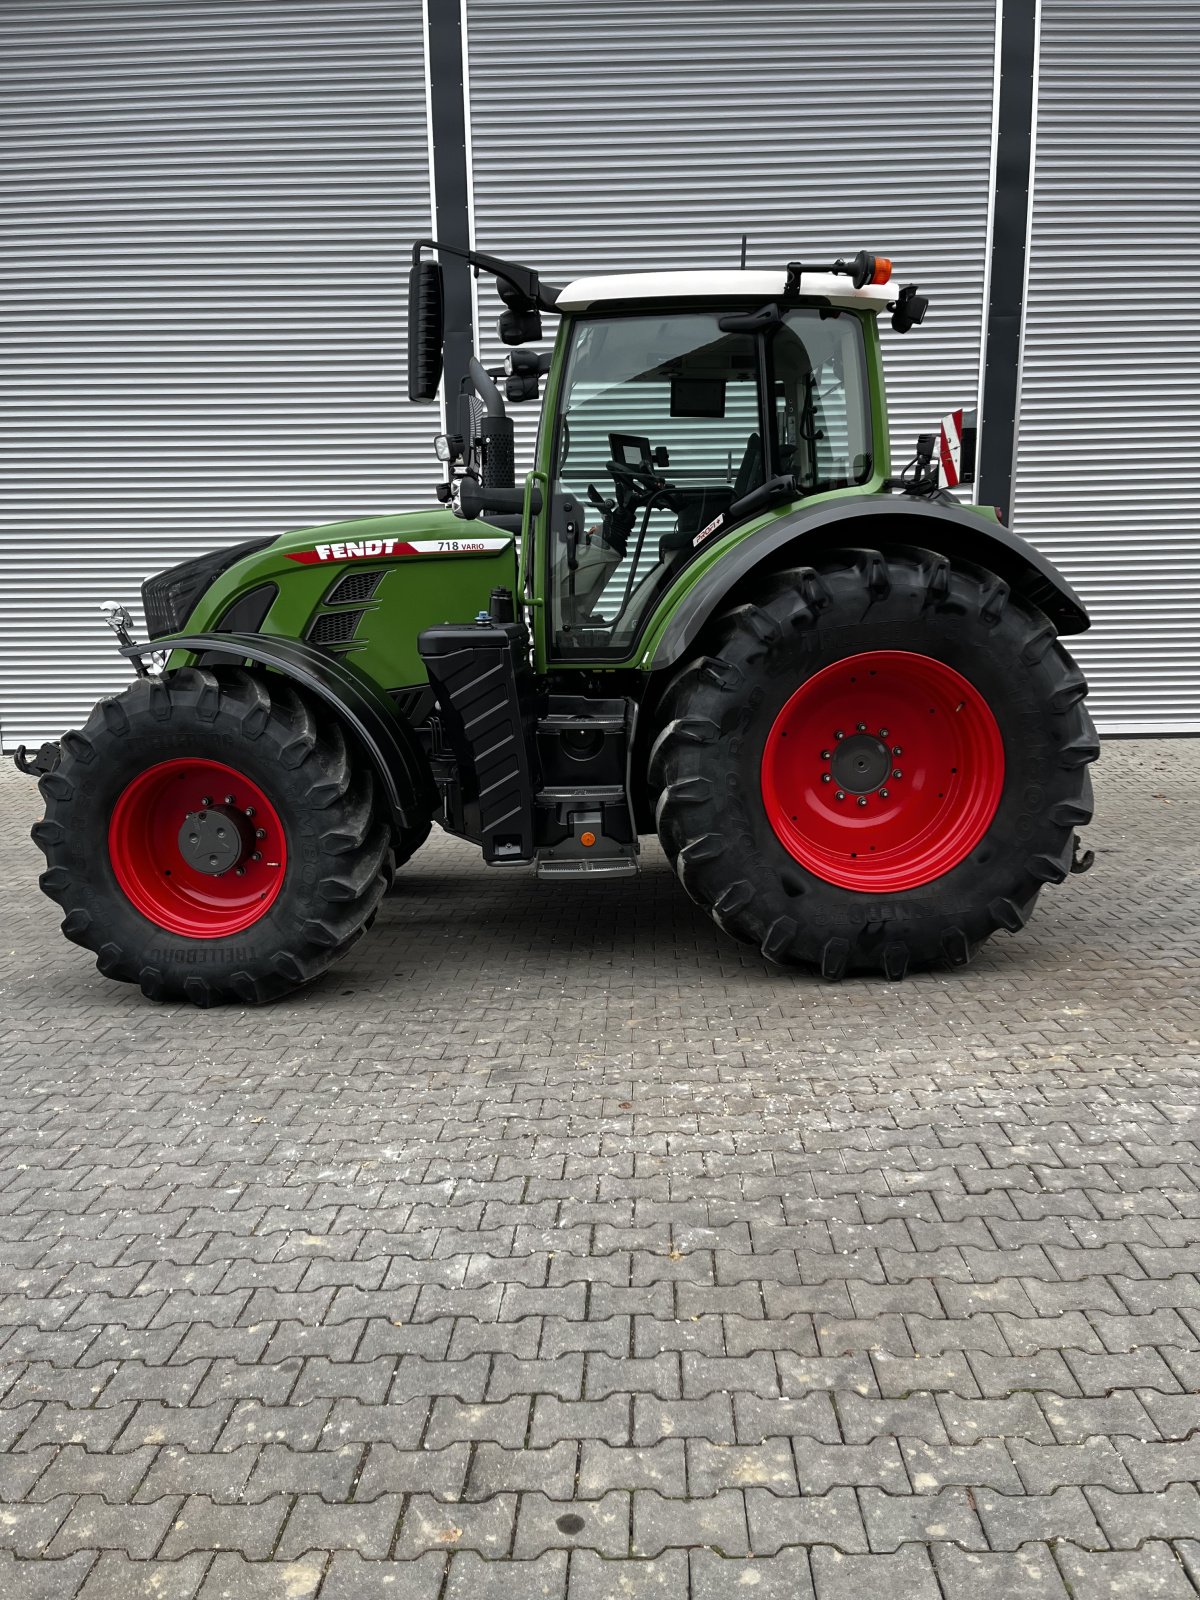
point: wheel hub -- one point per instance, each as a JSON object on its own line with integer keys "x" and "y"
{"x": 197, "y": 847}
{"x": 215, "y": 840}
{"x": 882, "y": 771}
{"x": 861, "y": 764}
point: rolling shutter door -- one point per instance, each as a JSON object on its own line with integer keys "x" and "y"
{"x": 609, "y": 135}
{"x": 1108, "y": 460}
{"x": 208, "y": 209}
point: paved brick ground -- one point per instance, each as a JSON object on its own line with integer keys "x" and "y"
{"x": 555, "y": 1245}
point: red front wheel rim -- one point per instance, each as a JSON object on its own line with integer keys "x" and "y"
{"x": 883, "y": 771}
{"x": 197, "y": 848}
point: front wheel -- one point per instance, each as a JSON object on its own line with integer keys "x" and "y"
{"x": 880, "y": 764}
{"x": 211, "y": 837}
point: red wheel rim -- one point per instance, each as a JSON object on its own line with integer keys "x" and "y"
{"x": 883, "y": 771}
{"x": 190, "y": 805}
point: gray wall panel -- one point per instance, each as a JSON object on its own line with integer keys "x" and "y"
{"x": 610, "y": 135}
{"x": 206, "y": 211}
{"x": 1108, "y": 457}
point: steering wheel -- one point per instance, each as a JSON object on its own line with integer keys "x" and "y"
{"x": 633, "y": 479}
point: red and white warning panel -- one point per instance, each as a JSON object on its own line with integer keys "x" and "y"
{"x": 956, "y": 448}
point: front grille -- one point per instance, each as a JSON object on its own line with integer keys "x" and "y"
{"x": 169, "y": 598}
{"x": 354, "y": 587}
{"x": 334, "y": 627}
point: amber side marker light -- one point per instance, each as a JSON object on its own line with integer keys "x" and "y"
{"x": 587, "y": 840}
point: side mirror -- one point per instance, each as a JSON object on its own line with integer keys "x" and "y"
{"x": 956, "y": 448}
{"x": 426, "y": 327}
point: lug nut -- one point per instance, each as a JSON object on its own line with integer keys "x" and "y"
{"x": 896, "y": 773}
{"x": 260, "y": 833}
{"x": 249, "y": 811}
{"x": 839, "y": 734}
{"x": 207, "y": 800}
{"x": 860, "y": 727}
{"x": 884, "y": 795}
{"x": 896, "y": 750}
{"x": 825, "y": 778}
{"x": 840, "y": 795}
{"x": 241, "y": 872}
{"x": 862, "y": 799}
{"x": 883, "y": 733}
{"x": 826, "y": 755}
{"x": 228, "y": 799}
{"x": 257, "y": 856}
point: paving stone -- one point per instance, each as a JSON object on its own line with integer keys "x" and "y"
{"x": 894, "y": 1520}
{"x": 74, "y": 1470}
{"x": 350, "y": 1577}
{"x": 660, "y": 1523}
{"x": 95, "y": 1525}
{"x": 1044, "y": 1467}
{"x": 1127, "y": 1519}
{"x": 1027, "y": 1574}
{"x": 472, "y": 1578}
{"x": 544, "y": 1524}
{"x": 42, "y": 1579}
{"x": 781, "y": 1577}
{"x": 721, "y": 1466}
{"x": 985, "y": 1464}
{"x": 659, "y": 1466}
{"x": 485, "y": 1527}
{"x": 1011, "y": 1520}
{"x": 367, "y": 1528}
{"x": 591, "y": 1577}
{"x": 280, "y": 1470}
{"x": 201, "y": 1524}
{"x": 832, "y": 1518}
{"x": 1151, "y": 1465}
{"x": 495, "y": 1470}
{"x": 909, "y": 1572}
{"x": 117, "y": 1576}
{"x": 232, "y": 1577}
{"x": 1152, "y": 1573}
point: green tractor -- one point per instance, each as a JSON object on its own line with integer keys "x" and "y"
{"x": 709, "y": 612}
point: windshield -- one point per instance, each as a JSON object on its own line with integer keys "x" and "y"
{"x": 660, "y": 431}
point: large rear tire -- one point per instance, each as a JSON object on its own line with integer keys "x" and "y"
{"x": 879, "y": 764}
{"x": 211, "y": 837}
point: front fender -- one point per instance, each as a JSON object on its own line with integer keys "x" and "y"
{"x": 365, "y": 712}
{"x": 861, "y": 520}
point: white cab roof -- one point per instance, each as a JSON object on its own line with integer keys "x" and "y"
{"x": 715, "y": 285}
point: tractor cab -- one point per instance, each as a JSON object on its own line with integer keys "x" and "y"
{"x": 680, "y": 405}
{"x": 668, "y": 421}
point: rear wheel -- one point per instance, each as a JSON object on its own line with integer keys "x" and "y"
{"x": 881, "y": 762}
{"x": 212, "y": 838}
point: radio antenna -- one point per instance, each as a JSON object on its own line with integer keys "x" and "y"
{"x": 743, "y": 252}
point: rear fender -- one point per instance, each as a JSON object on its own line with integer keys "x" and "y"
{"x": 362, "y": 708}
{"x": 952, "y": 531}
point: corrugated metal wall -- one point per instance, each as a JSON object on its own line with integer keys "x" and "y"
{"x": 1108, "y": 474}
{"x": 208, "y": 205}
{"x": 207, "y": 208}
{"x": 609, "y": 135}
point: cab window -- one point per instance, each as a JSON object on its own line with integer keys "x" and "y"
{"x": 660, "y": 431}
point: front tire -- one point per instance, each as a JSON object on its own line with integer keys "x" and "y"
{"x": 211, "y": 838}
{"x": 802, "y": 831}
